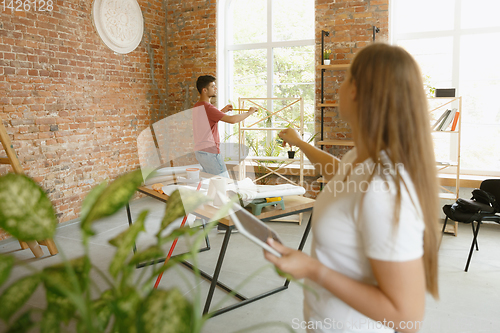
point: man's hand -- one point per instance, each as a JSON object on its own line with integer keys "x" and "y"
{"x": 227, "y": 108}
{"x": 236, "y": 118}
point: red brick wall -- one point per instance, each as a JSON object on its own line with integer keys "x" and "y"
{"x": 72, "y": 107}
{"x": 191, "y": 49}
{"x": 350, "y": 26}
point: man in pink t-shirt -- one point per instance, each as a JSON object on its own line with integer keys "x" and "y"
{"x": 205, "y": 127}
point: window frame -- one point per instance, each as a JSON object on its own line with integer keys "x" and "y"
{"x": 456, "y": 33}
{"x": 223, "y": 49}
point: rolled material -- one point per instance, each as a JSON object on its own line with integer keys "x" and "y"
{"x": 217, "y": 185}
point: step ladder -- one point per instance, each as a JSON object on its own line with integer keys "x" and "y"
{"x": 11, "y": 159}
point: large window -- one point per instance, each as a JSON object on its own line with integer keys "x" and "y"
{"x": 455, "y": 43}
{"x": 266, "y": 50}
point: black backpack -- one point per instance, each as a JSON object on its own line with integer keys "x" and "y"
{"x": 481, "y": 202}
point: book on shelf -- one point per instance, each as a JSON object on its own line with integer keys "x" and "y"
{"x": 448, "y": 120}
{"x": 455, "y": 121}
{"x": 445, "y": 162}
{"x": 440, "y": 119}
{"x": 439, "y": 123}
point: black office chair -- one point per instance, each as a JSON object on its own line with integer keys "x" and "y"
{"x": 484, "y": 206}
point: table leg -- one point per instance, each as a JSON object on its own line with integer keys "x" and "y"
{"x": 243, "y": 300}
{"x": 130, "y": 223}
{"x": 302, "y": 241}
{"x": 153, "y": 262}
{"x": 255, "y": 298}
{"x": 218, "y": 267}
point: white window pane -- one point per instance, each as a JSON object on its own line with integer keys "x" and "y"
{"x": 294, "y": 77}
{"x": 480, "y": 13}
{"x": 479, "y": 86}
{"x": 423, "y": 15}
{"x": 293, "y": 64}
{"x": 434, "y": 56}
{"x": 293, "y": 19}
{"x": 249, "y": 74}
{"x": 248, "y": 20}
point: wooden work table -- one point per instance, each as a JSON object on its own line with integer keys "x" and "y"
{"x": 293, "y": 205}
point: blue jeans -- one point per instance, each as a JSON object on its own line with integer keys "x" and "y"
{"x": 212, "y": 163}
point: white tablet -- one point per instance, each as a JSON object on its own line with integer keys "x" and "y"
{"x": 253, "y": 228}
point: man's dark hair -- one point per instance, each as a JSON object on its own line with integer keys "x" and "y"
{"x": 203, "y": 82}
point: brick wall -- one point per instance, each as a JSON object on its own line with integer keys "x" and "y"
{"x": 350, "y": 26}
{"x": 191, "y": 49}
{"x": 72, "y": 107}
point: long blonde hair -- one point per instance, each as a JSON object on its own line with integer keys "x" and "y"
{"x": 392, "y": 115}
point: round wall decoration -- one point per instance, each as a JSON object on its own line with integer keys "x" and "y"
{"x": 119, "y": 23}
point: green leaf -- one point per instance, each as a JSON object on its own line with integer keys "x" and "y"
{"x": 61, "y": 306}
{"x": 126, "y": 307}
{"x": 112, "y": 198}
{"x": 22, "y": 324}
{"x": 25, "y": 209}
{"x": 179, "y": 232}
{"x": 102, "y": 309}
{"x": 128, "y": 302}
{"x": 224, "y": 210}
{"x": 91, "y": 199}
{"x": 50, "y": 322}
{"x": 172, "y": 262}
{"x": 6, "y": 264}
{"x": 165, "y": 311}
{"x": 151, "y": 253}
{"x": 124, "y": 243}
{"x": 59, "y": 280}
{"x": 17, "y": 294}
{"x": 180, "y": 203}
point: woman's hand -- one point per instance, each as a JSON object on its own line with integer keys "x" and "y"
{"x": 294, "y": 262}
{"x": 290, "y": 136}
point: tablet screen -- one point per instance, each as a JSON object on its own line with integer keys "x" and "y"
{"x": 255, "y": 227}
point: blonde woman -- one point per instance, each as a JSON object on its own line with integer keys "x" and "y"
{"x": 374, "y": 225}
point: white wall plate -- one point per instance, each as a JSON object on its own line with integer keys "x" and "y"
{"x": 119, "y": 23}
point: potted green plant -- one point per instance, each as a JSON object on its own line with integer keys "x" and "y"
{"x": 71, "y": 295}
{"x": 326, "y": 56}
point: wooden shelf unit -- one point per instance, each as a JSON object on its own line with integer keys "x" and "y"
{"x": 452, "y": 195}
{"x": 336, "y": 143}
{"x": 329, "y": 103}
{"x": 12, "y": 160}
{"x": 335, "y": 67}
{"x": 261, "y": 160}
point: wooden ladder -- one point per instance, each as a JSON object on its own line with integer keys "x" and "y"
{"x": 11, "y": 159}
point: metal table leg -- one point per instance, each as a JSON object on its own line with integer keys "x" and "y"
{"x": 251, "y": 299}
{"x": 214, "y": 279}
{"x": 157, "y": 261}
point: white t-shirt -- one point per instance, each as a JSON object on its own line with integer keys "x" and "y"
{"x": 346, "y": 235}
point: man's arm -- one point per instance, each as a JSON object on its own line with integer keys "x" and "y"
{"x": 233, "y": 119}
